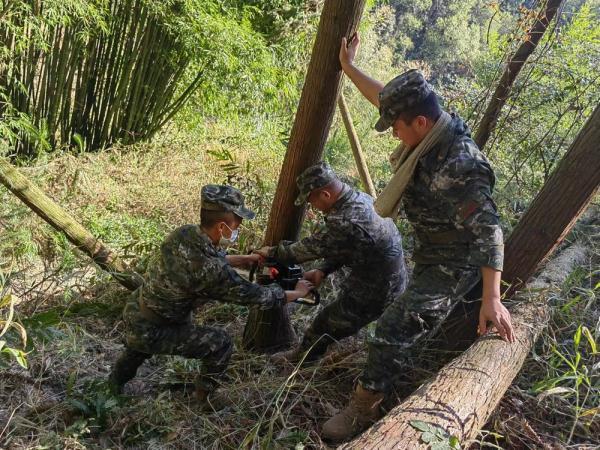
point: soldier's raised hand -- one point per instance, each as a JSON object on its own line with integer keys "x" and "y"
{"x": 315, "y": 276}
{"x": 348, "y": 49}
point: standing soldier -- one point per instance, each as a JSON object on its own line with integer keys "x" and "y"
{"x": 191, "y": 269}
{"x": 445, "y": 184}
{"x": 355, "y": 237}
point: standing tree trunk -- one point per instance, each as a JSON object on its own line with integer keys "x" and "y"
{"x": 514, "y": 66}
{"x": 359, "y": 158}
{"x": 62, "y": 221}
{"x": 463, "y": 394}
{"x": 271, "y": 330}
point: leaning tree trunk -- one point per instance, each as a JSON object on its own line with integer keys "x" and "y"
{"x": 359, "y": 158}
{"x": 555, "y": 209}
{"x": 62, "y": 221}
{"x": 460, "y": 398}
{"x": 514, "y": 66}
{"x": 271, "y": 330}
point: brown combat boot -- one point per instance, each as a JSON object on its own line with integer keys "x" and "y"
{"x": 362, "y": 411}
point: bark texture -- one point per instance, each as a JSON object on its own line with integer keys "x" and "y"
{"x": 271, "y": 330}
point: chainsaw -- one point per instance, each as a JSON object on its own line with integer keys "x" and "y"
{"x": 285, "y": 276}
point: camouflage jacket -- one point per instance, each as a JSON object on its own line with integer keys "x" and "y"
{"x": 449, "y": 204}
{"x": 354, "y": 236}
{"x": 190, "y": 271}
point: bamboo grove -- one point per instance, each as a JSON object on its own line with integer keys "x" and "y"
{"x": 91, "y": 83}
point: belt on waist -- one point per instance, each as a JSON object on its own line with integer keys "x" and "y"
{"x": 445, "y": 237}
{"x": 152, "y": 316}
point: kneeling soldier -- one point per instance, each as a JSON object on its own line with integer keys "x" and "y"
{"x": 354, "y": 237}
{"x": 191, "y": 270}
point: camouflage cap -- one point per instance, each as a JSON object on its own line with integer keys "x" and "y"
{"x": 315, "y": 177}
{"x": 400, "y": 94}
{"x": 215, "y": 197}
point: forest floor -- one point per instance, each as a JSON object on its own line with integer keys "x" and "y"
{"x": 71, "y": 312}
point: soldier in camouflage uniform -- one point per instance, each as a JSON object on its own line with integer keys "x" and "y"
{"x": 354, "y": 237}
{"x": 448, "y": 201}
{"x": 190, "y": 270}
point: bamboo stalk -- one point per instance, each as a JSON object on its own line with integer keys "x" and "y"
{"x": 117, "y": 84}
{"x": 62, "y": 221}
{"x": 115, "y": 61}
{"x": 361, "y": 164}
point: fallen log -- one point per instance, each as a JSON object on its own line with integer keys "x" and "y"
{"x": 460, "y": 398}
{"x": 62, "y": 221}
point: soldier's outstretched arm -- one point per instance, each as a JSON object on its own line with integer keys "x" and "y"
{"x": 492, "y": 309}
{"x": 219, "y": 281}
{"x": 243, "y": 261}
{"x": 224, "y": 284}
{"x": 369, "y": 87}
{"x": 330, "y": 244}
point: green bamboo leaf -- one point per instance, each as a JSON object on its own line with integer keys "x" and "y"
{"x": 588, "y": 335}
{"x": 18, "y": 355}
{"x": 21, "y": 359}
{"x": 577, "y": 337}
{"x": 566, "y": 361}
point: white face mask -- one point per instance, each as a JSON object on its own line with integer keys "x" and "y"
{"x": 226, "y": 242}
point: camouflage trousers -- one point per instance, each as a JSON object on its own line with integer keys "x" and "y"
{"x": 431, "y": 295}
{"x": 143, "y": 339}
{"x": 360, "y": 301}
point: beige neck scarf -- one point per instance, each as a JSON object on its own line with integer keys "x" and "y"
{"x": 404, "y": 162}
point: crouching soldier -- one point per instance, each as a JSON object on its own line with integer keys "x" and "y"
{"x": 191, "y": 269}
{"x": 355, "y": 238}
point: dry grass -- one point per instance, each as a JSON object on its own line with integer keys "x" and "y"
{"x": 272, "y": 408}
{"x": 131, "y": 198}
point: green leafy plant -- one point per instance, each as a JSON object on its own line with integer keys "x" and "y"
{"x": 6, "y": 323}
{"x": 435, "y": 436}
{"x": 94, "y": 402}
{"x": 247, "y": 179}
